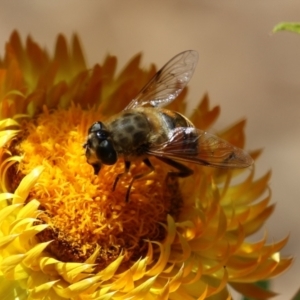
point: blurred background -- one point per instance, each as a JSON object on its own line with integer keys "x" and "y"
{"x": 248, "y": 71}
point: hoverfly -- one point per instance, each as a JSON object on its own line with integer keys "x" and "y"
{"x": 145, "y": 129}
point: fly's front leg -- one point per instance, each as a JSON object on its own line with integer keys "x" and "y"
{"x": 127, "y": 164}
{"x": 182, "y": 170}
{"x": 151, "y": 169}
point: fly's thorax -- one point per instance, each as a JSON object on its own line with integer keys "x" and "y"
{"x": 162, "y": 122}
{"x": 134, "y": 131}
{"x": 129, "y": 131}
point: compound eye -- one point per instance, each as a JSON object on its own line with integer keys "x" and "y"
{"x": 107, "y": 153}
{"x": 101, "y": 135}
{"x": 96, "y": 127}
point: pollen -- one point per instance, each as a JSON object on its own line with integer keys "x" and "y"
{"x": 84, "y": 214}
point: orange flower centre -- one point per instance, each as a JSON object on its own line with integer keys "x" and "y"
{"x": 82, "y": 210}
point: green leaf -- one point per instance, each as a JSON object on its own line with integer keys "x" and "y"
{"x": 297, "y": 296}
{"x": 287, "y": 26}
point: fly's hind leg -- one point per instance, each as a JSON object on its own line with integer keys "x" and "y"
{"x": 151, "y": 169}
{"x": 181, "y": 170}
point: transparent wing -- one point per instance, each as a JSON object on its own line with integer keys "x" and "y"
{"x": 168, "y": 82}
{"x": 200, "y": 147}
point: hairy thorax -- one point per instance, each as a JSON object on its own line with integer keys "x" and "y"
{"x": 134, "y": 131}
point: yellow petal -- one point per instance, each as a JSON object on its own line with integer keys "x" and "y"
{"x": 4, "y": 240}
{"x": 31, "y": 258}
{"x": 8, "y": 210}
{"x": 26, "y": 184}
{"x": 7, "y": 135}
{"x": 42, "y": 291}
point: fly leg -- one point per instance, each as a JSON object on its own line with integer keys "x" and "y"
{"x": 126, "y": 170}
{"x": 151, "y": 169}
{"x": 182, "y": 170}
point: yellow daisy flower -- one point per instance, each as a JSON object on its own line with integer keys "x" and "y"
{"x": 65, "y": 235}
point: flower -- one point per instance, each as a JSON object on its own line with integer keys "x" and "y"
{"x": 64, "y": 234}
